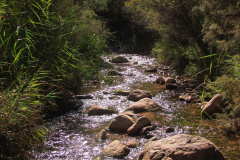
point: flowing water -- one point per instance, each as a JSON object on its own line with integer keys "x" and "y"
{"x": 73, "y": 136}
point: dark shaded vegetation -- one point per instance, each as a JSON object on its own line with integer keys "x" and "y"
{"x": 200, "y": 39}
{"x": 49, "y": 48}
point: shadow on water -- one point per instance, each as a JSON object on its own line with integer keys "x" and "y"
{"x": 74, "y": 135}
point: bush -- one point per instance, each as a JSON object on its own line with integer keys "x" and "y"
{"x": 229, "y": 86}
{"x": 45, "y": 48}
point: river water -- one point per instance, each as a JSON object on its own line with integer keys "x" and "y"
{"x": 73, "y": 136}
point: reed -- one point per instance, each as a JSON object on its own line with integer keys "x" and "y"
{"x": 45, "y": 47}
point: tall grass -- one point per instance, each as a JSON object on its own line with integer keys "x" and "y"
{"x": 45, "y": 48}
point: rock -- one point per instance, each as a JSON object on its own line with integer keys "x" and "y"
{"x": 170, "y": 80}
{"x": 105, "y": 92}
{"x": 138, "y": 94}
{"x": 189, "y": 99}
{"x": 148, "y": 135}
{"x": 113, "y": 73}
{"x": 136, "y": 127}
{"x": 185, "y": 98}
{"x": 142, "y": 105}
{"x": 102, "y": 134}
{"x": 170, "y": 86}
{"x": 119, "y": 59}
{"x": 153, "y": 139}
{"x": 178, "y": 77}
{"x": 146, "y": 130}
{"x": 181, "y": 147}
{"x": 116, "y": 150}
{"x": 169, "y": 130}
{"x": 82, "y": 96}
{"x": 160, "y": 80}
{"x": 182, "y": 97}
{"x": 132, "y": 143}
{"x": 130, "y": 113}
{"x": 120, "y": 124}
{"x": 97, "y": 111}
{"x": 123, "y": 92}
{"x": 214, "y": 105}
{"x": 151, "y": 69}
{"x": 114, "y": 97}
{"x": 134, "y": 62}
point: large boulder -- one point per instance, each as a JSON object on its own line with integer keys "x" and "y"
{"x": 142, "y": 105}
{"x": 119, "y": 59}
{"x": 121, "y": 123}
{"x": 181, "y": 147}
{"x": 138, "y": 94}
{"x": 160, "y": 80}
{"x": 170, "y": 80}
{"x": 97, "y": 110}
{"x": 214, "y": 105}
{"x": 116, "y": 150}
{"x": 136, "y": 127}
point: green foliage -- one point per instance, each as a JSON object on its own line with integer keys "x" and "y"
{"x": 21, "y": 119}
{"x": 179, "y": 24}
{"x": 46, "y": 47}
{"x": 229, "y": 86}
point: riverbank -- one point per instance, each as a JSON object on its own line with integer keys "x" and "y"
{"x": 74, "y": 135}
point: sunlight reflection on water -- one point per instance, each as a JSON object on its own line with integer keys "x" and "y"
{"x": 74, "y": 135}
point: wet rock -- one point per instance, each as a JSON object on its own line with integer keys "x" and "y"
{"x": 121, "y": 123}
{"x": 130, "y": 113}
{"x": 148, "y": 135}
{"x": 113, "y": 73}
{"x": 181, "y": 147}
{"x": 142, "y": 105}
{"x": 165, "y": 69}
{"x": 169, "y": 130}
{"x": 178, "y": 77}
{"x": 146, "y": 130}
{"x": 152, "y": 69}
{"x": 136, "y": 127}
{"x": 160, "y": 80}
{"x": 116, "y": 150}
{"x": 170, "y": 80}
{"x": 105, "y": 92}
{"x": 119, "y": 59}
{"x": 102, "y": 134}
{"x": 97, "y": 111}
{"x": 132, "y": 143}
{"x": 82, "y": 96}
{"x": 114, "y": 97}
{"x": 170, "y": 86}
{"x": 99, "y": 97}
{"x": 138, "y": 94}
{"x": 185, "y": 98}
{"x": 123, "y": 92}
{"x": 214, "y": 105}
{"x": 153, "y": 139}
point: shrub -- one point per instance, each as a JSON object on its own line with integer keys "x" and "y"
{"x": 45, "y": 48}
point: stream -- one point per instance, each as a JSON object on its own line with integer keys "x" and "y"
{"x": 73, "y": 136}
